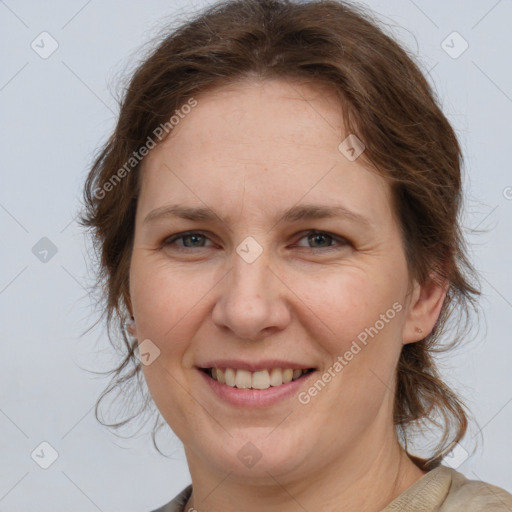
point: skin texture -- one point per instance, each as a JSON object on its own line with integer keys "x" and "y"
{"x": 249, "y": 151}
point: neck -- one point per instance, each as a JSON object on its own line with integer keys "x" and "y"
{"x": 363, "y": 481}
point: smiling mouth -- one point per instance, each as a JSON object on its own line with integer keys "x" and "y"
{"x": 262, "y": 379}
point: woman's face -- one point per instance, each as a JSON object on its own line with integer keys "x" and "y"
{"x": 252, "y": 288}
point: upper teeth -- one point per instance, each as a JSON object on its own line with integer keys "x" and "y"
{"x": 262, "y": 379}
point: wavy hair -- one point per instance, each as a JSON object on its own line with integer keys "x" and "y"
{"x": 386, "y": 101}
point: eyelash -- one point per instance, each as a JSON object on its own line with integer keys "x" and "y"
{"x": 179, "y": 236}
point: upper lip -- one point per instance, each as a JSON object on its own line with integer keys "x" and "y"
{"x": 253, "y": 366}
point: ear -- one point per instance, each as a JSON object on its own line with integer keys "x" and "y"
{"x": 424, "y": 308}
{"x": 131, "y": 326}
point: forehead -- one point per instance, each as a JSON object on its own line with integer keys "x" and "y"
{"x": 273, "y": 112}
{"x": 274, "y": 138}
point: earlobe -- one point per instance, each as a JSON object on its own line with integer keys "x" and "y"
{"x": 131, "y": 326}
{"x": 424, "y": 309}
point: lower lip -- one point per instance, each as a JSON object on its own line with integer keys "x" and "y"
{"x": 255, "y": 397}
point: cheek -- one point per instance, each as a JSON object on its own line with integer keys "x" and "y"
{"x": 352, "y": 304}
{"x": 165, "y": 303}
{"x": 163, "y": 300}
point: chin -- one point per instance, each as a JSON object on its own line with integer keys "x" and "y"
{"x": 255, "y": 453}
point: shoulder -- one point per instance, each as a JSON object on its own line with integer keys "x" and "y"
{"x": 469, "y": 495}
{"x": 178, "y": 503}
{"x": 444, "y": 489}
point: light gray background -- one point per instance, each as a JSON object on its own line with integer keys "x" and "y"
{"x": 57, "y": 111}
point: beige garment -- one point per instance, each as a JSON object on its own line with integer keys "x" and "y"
{"x": 445, "y": 490}
{"x": 442, "y": 489}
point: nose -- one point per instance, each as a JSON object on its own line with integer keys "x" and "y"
{"x": 253, "y": 301}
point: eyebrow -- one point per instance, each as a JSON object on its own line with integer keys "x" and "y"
{"x": 293, "y": 214}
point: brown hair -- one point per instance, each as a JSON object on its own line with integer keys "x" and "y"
{"x": 386, "y": 101}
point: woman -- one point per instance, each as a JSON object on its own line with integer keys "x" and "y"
{"x": 293, "y": 373}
